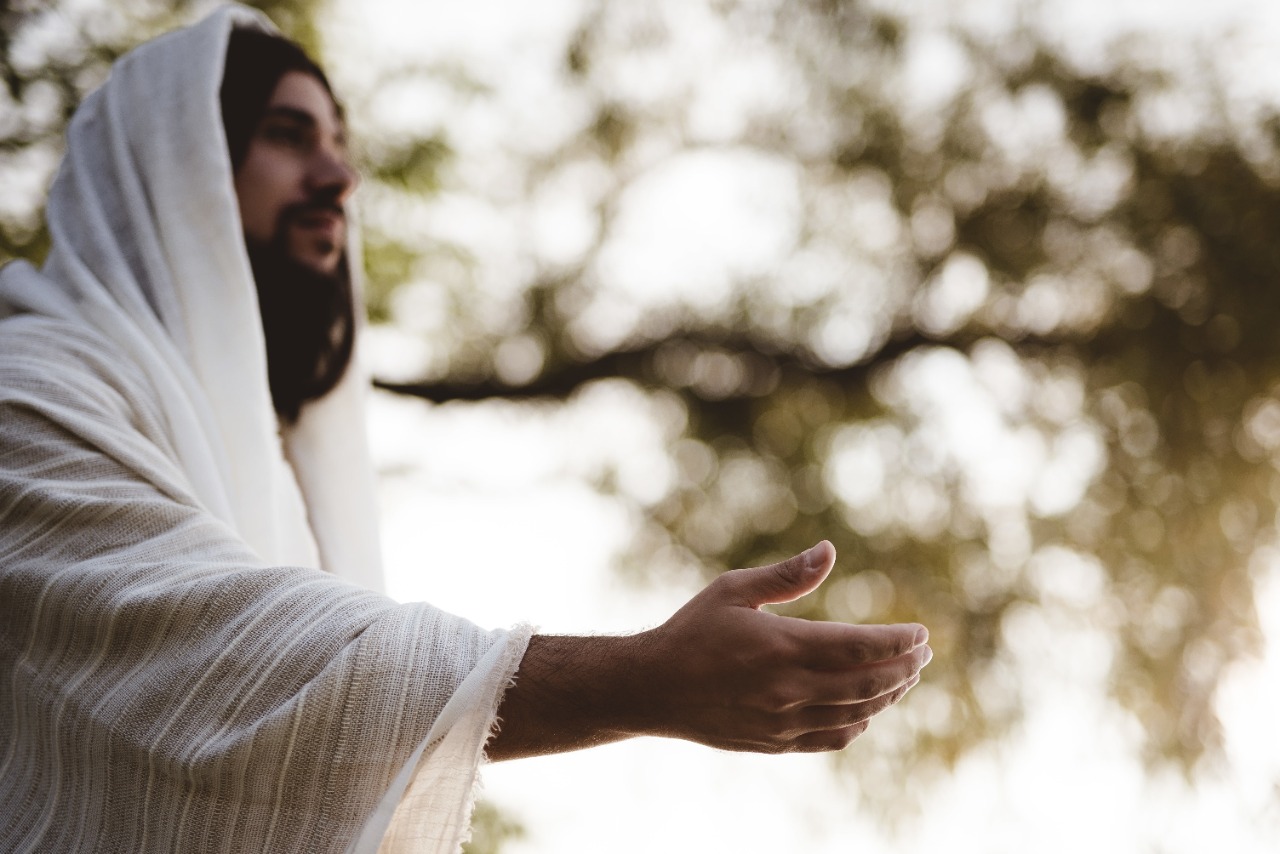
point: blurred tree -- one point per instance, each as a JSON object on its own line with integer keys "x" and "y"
{"x": 1016, "y": 357}
{"x": 490, "y": 829}
{"x": 1006, "y": 336}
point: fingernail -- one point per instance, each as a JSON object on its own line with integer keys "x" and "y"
{"x": 815, "y": 557}
{"x": 928, "y": 656}
{"x": 922, "y": 635}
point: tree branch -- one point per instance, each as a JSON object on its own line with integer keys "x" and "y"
{"x": 645, "y": 364}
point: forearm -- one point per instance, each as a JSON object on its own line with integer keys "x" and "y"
{"x": 720, "y": 672}
{"x": 574, "y": 692}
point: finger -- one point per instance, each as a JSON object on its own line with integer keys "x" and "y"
{"x": 827, "y": 740}
{"x": 835, "y": 646}
{"x": 859, "y": 684}
{"x": 779, "y": 582}
{"x": 818, "y": 718}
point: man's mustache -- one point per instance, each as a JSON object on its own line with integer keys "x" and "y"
{"x": 300, "y": 210}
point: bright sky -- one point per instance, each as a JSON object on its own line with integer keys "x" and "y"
{"x": 1067, "y": 781}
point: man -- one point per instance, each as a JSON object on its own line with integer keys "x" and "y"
{"x": 176, "y": 670}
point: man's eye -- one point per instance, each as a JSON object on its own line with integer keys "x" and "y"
{"x": 286, "y": 134}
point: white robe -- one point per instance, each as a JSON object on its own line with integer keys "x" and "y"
{"x": 193, "y": 656}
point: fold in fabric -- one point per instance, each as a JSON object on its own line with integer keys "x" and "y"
{"x": 193, "y": 652}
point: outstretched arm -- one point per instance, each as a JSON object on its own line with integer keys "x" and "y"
{"x": 720, "y": 672}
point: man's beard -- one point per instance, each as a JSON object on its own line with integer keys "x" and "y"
{"x": 308, "y": 320}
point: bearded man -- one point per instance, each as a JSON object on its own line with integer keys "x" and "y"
{"x": 193, "y": 652}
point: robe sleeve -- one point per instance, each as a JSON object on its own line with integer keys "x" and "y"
{"x": 161, "y": 689}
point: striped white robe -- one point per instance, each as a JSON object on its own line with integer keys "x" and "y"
{"x": 191, "y": 654}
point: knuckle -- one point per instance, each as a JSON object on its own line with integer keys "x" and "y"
{"x": 864, "y": 712}
{"x": 790, "y": 566}
{"x": 786, "y": 727}
{"x": 841, "y": 738}
{"x": 766, "y": 701}
{"x": 721, "y": 582}
{"x": 778, "y": 699}
{"x": 773, "y": 747}
{"x": 784, "y": 649}
{"x": 785, "y": 572}
{"x": 890, "y": 682}
{"x": 879, "y": 704}
{"x": 784, "y": 695}
{"x": 874, "y": 686}
{"x": 781, "y": 733}
{"x": 895, "y": 695}
{"x": 860, "y": 647}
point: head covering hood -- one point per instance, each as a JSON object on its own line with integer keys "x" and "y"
{"x": 148, "y": 249}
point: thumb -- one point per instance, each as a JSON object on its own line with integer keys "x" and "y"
{"x": 782, "y": 582}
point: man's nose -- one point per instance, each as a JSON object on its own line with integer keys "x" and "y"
{"x": 332, "y": 173}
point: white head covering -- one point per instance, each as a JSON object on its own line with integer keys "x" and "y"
{"x": 148, "y": 248}
{"x": 315, "y": 715}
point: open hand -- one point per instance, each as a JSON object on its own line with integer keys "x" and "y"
{"x": 724, "y": 673}
{"x": 720, "y": 672}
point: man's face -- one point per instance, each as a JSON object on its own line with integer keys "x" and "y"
{"x": 295, "y": 175}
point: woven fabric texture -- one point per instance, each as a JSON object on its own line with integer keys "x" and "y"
{"x": 194, "y": 655}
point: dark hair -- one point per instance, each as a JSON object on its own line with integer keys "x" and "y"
{"x": 309, "y": 325}
{"x": 256, "y": 60}
{"x": 308, "y": 318}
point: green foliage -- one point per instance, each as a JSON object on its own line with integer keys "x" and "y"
{"x": 1041, "y": 389}
{"x": 490, "y": 828}
{"x": 413, "y": 167}
{"x": 1121, "y": 346}
{"x": 387, "y": 264}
